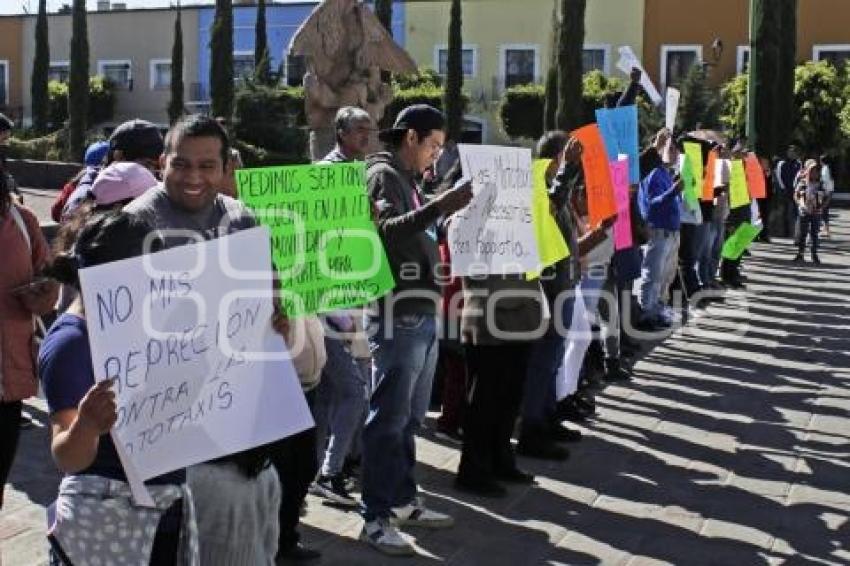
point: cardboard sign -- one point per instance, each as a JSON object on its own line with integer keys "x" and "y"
{"x": 619, "y": 128}
{"x": 740, "y": 240}
{"x": 628, "y": 60}
{"x": 710, "y": 172}
{"x": 325, "y": 246}
{"x": 550, "y": 242}
{"x": 199, "y": 371}
{"x": 623, "y": 225}
{"x": 755, "y": 177}
{"x": 495, "y": 233}
{"x": 738, "y": 194}
{"x": 597, "y": 174}
{"x": 671, "y": 109}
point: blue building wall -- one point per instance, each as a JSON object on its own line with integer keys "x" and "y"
{"x": 282, "y": 21}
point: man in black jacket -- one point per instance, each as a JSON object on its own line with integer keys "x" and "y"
{"x": 403, "y": 334}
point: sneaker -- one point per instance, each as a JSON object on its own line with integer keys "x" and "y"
{"x": 334, "y": 490}
{"x": 541, "y": 448}
{"x": 450, "y": 436}
{"x": 798, "y": 258}
{"x": 417, "y": 515}
{"x": 815, "y": 259}
{"x": 384, "y": 537}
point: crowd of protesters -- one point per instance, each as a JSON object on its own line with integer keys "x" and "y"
{"x": 533, "y": 351}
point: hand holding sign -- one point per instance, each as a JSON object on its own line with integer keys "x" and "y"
{"x": 628, "y": 62}
{"x": 455, "y": 199}
{"x": 97, "y": 411}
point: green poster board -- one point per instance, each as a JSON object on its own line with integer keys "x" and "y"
{"x": 325, "y": 246}
{"x": 741, "y": 238}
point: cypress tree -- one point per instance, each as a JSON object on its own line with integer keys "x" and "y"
{"x": 175, "y": 105}
{"x": 570, "y": 49}
{"x": 452, "y": 94}
{"x": 78, "y": 82}
{"x": 784, "y": 90}
{"x": 771, "y": 74}
{"x": 384, "y": 11}
{"x": 221, "y": 57}
{"x": 262, "y": 63}
{"x": 40, "y": 70}
{"x": 551, "y": 101}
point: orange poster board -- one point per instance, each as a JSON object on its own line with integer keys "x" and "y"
{"x": 708, "y": 181}
{"x": 755, "y": 176}
{"x": 597, "y": 174}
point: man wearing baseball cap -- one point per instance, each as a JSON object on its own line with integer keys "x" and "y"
{"x": 404, "y": 345}
{"x": 136, "y": 140}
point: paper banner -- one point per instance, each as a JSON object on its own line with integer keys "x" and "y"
{"x": 623, "y": 225}
{"x": 597, "y": 174}
{"x": 710, "y": 172}
{"x": 199, "y": 372}
{"x": 619, "y": 128}
{"x": 693, "y": 186}
{"x": 550, "y": 242}
{"x": 740, "y": 240}
{"x": 627, "y": 62}
{"x": 672, "y": 108}
{"x": 738, "y": 195}
{"x": 495, "y": 233}
{"x": 325, "y": 246}
{"x": 755, "y": 177}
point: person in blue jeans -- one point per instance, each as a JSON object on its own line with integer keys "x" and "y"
{"x": 403, "y": 331}
{"x": 658, "y": 200}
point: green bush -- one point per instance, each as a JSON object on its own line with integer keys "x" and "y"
{"x": 424, "y": 77}
{"x": 521, "y": 111}
{"x": 101, "y": 101}
{"x": 819, "y": 98}
{"x": 733, "y": 105}
{"x": 270, "y": 122}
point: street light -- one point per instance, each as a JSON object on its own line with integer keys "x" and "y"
{"x": 716, "y": 54}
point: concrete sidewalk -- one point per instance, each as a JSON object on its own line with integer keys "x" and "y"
{"x": 731, "y": 446}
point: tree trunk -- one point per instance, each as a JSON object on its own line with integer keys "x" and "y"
{"x": 550, "y": 107}
{"x": 221, "y": 56}
{"x": 78, "y": 83}
{"x": 570, "y": 49}
{"x": 40, "y": 70}
{"x": 452, "y": 95}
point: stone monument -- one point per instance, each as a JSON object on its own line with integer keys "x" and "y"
{"x": 345, "y": 47}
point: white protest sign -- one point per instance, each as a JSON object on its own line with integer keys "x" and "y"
{"x": 200, "y": 373}
{"x": 628, "y": 61}
{"x": 672, "y": 107}
{"x": 494, "y": 234}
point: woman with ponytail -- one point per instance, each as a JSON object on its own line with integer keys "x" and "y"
{"x": 94, "y": 520}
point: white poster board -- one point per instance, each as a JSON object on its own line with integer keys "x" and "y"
{"x": 671, "y": 109}
{"x": 628, "y": 61}
{"x": 199, "y": 371}
{"x": 494, "y": 234}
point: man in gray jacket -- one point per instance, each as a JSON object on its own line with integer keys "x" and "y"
{"x": 403, "y": 335}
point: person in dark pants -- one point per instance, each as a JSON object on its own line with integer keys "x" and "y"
{"x": 810, "y": 197}
{"x": 502, "y": 316}
{"x": 294, "y": 458}
{"x": 24, "y": 254}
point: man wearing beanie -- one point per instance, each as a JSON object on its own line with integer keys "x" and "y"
{"x": 404, "y": 344}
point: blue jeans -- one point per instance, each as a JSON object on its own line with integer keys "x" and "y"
{"x": 339, "y": 407}
{"x": 404, "y": 363}
{"x": 651, "y": 272}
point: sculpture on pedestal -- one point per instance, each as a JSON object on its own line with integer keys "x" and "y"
{"x": 346, "y": 48}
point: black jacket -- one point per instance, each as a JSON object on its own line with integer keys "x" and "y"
{"x": 409, "y": 235}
